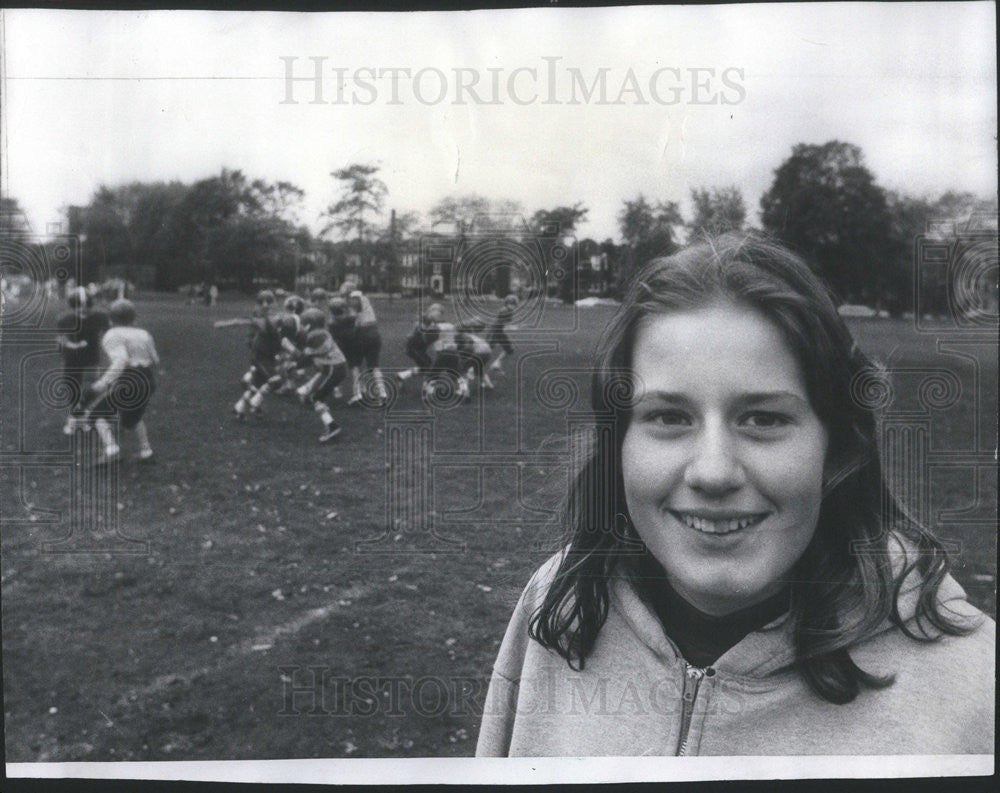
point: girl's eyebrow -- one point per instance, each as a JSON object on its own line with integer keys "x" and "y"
{"x": 664, "y": 396}
{"x": 748, "y": 398}
{"x": 758, "y": 397}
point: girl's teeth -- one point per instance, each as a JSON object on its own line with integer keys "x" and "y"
{"x": 717, "y": 526}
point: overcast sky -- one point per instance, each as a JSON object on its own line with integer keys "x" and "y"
{"x": 699, "y": 96}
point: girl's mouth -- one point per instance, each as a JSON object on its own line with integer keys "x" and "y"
{"x": 720, "y": 524}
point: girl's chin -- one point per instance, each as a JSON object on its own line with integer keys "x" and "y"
{"x": 725, "y": 595}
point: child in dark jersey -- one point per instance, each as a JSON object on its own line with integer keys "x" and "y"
{"x": 265, "y": 344}
{"x": 418, "y": 343}
{"x": 79, "y": 338}
{"x": 368, "y": 344}
{"x": 282, "y": 335}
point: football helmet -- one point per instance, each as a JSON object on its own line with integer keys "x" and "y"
{"x": 287, "y": 324}
{"x": 314, "y": 318}
{"x": 122, "y": 312}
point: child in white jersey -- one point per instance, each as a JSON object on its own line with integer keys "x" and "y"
{"x": 125, "y": 387}
{"x": 329, "y": 367}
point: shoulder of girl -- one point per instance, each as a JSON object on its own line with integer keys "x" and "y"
{"x": 542, "y": 579}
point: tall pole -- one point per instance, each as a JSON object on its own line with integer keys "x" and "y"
{"x": 393, "y": 252}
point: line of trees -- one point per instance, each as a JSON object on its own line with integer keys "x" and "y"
{"x": 229, "y": 228}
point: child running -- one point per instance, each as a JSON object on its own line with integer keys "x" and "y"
{"x": 291, "y": 334}
{"x": 79, "y": 338}
{"x": 126, "y": 385}
{"x": 293, "y": 304}
{"x": 329, "y": 368}
{"x": 265, "y": 344}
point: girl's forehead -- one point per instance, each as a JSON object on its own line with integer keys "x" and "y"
{"x": 720, "y": 344}
{"x": 722, "y": 315}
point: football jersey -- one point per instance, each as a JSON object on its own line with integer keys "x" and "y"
{"x": 503, "y": 318}
{"x": 265, "y": 341}
{"x": 291, "y": 332}
{"x": 473, "y": 344}
{"x": 128, "y": 346}
{"x": 322, "y": 349}
{"x": 89, "y": 328}
{"x": 426, "y": 332}
{"x": 343, "y": 326}
{"x": 446, "y": 338}
{"x": 365, "y": 313}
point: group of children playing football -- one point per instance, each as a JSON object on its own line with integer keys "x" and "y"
{"x": 310, "y": 348}
{"x": 457, "y": 355}
{"x": 303, "y": 348}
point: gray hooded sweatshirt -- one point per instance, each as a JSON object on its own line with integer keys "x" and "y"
{"x": 637, "y": 696}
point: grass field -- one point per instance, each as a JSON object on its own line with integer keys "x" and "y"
{"x": 252, "y": 585}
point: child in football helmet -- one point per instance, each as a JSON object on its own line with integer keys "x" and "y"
{"x": 447, "y": 363}
{"x": 294, "y": 304}
{"x": 329, "y": 368}
{"x": 265, "y": 346}
{"x": 125, "y": 387}
{"x": 418, "y": 344}
{"x": 80, "y": 330}
{"x": 282, "y": 334}
{"x": 368, "y": 345}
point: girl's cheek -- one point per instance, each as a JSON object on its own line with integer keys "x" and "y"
{"x": 637, "y": 470}
{"x": 788, "y": 468}
{"x": 650, "y": 473}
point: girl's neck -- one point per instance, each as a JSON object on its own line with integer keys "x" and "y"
{"x": 701, "y": 637}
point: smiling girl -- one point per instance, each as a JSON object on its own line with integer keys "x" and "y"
{"x": 739, "y": 579}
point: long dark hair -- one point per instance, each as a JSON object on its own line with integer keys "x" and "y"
{"x": 844, "y": 586}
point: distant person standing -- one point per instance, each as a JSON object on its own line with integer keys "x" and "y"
{"x": 80, "y": 330}
{"x": 127, "y": 384}
{"x": 497, "y": 335}
{"x": 213, "y": 295}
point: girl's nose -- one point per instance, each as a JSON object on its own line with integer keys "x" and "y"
{"x": 714, "y": 466}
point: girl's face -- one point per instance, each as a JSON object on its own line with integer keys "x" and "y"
{"x": 723, "y": 456}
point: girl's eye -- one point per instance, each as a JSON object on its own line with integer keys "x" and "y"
{"x": 669, "y": 418}
{"x": 763, "y": 420}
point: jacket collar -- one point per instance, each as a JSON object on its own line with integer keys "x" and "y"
{"x": 771, "y": 649}
{"x": 756, "y": 655}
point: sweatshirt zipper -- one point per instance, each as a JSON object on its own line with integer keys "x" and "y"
{"x": 692, "y": 680}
